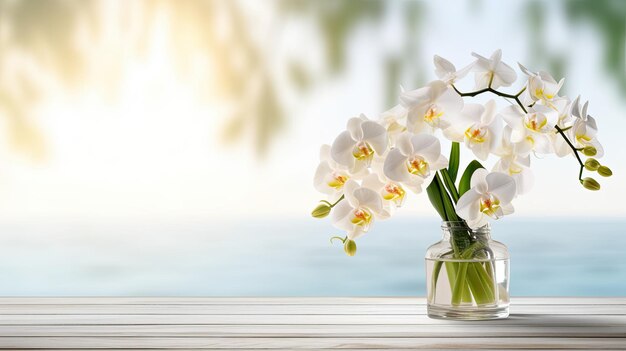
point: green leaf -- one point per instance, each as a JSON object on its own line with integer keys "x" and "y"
{"x": 434, "y": 195}
{"x": 464, "y": 183}
{"x": 441, "y": 200}
{"x": 453, "y": 165}
{"x": 449, "y": 183}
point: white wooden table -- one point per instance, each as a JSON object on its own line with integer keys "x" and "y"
{"x": 302, "y": 323}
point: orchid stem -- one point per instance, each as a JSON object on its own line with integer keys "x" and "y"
{"x": 517, "y": 100}
{"x": 493, "y": 91}
{"x": 336, "y": 202}
{"x": 580, "y": 161}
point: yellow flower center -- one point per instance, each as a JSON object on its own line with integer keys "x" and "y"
{"x": 514, "y": 169}
{"x": 337, "y": 181}
{"x": 393, "y": 192}
{"x": 418, "y": 166}
{"x": 432, "y": 114}
{"x": 535, "y": 122}
{"x": 476, "y": 135}
{"x": 540, "y": 94}
{"x": 582, "y": 138}
{"x": 362, "y": 151}
{"x": 490, "y": 206}
{"x": 395, "y": 127}
{"x": 361, "y": 217}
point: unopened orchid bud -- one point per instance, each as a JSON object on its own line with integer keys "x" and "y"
{"x": 349, "y": 247}
{"x": 590, "y": 151}
{"x": 592, "y": 164}
{"x": 591, "y": 184}
{"x": 605, "y": 171}
{"x": 322, "y": 210}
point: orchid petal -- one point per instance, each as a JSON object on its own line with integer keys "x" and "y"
{"x": 370, "y": 199}
{"x": 349, "y": 188}
{"x": 319, "y": 180}
{"x": 468, "y": 206}
{"x": 354, "y": 128}
{"x": 426, "y": 146}
{"x": 502, "y": 186}
{"x": 443, "y": 67}
{"x": 395, "y": 166}
{"x": 340, "y": 216}
{"x": 479, "y": 180}
{"x": 341, "y": 150}
{"x": 375, "y": 135}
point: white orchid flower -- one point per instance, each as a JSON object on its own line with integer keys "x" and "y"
{"x": 414, "y": 160}
{"x": 490, "y": 196}
{"x": 478, "y": 127}
{"x": 446, "y": 71}
{"x": 394, "y": 120}
{"x": 391, "y": 192}
{"x": 355, "y": 147}
{"x": 330, "y": 177}
{"x": 514, "y": 164}
{"x": 356, "y": 213}
{"x": 532, "y": 130}
{"x": 492, "y": 71}
{"x": 564, "y": 121}
{"x": 584, "y": 130}
{"x": 431, "y": 107}
{"x": 542, "y": 86}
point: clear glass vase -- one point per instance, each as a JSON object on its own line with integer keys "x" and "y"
{"x": 467, "y": 274}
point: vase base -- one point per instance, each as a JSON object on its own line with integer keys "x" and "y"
{"x": 468, "y": 313}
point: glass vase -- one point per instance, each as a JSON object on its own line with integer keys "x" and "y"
{"x": 467, "y": 274}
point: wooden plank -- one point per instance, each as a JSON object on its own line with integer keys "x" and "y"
{"x": 515, "y": 320}
{"x": 290, "y": 300}
{"x": 254, "y": 309}
{"x": 298, "y": 343}
{"x": 318, "y": 331}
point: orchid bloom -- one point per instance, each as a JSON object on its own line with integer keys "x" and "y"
{"x": 533, "y": 130}
{"x": 490, "y": 196}
{"x": 478, "y": 127}
{"x": 541, "y": 86}
{"x": 394, "y": 120}
{"x": 446, "y": 71}
{"x": 431, "y": 107}
{"x": 492, "y": 72}
{"x": 414, "y": 160}
{"x": 355, "y": 147}
{"x": 565, "y": 119}
{"x": 584, "y": 129}
{"x": 391, "y": 192}
{"x": 330, "y": 177}
{"x": 513, "y": 164}
{"x": 359, "y": 209}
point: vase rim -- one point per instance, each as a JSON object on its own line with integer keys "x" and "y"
{"x": 457, "y": 224}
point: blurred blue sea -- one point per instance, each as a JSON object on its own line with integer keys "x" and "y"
{"x": 292, "y": 258}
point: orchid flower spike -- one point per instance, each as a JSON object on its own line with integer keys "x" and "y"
{"x": 490, "y": 196}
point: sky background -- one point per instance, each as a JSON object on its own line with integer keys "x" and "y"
{"x": 169, "y": 147}
{"x": 135, "y": 136}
